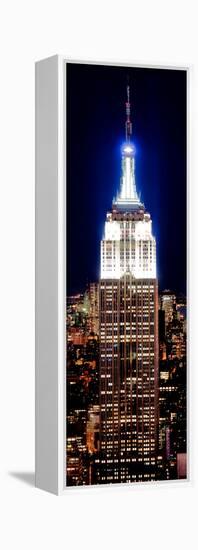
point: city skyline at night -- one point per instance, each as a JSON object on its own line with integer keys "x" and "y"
{"x": 126, "y": 275}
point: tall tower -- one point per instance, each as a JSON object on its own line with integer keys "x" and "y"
{"x": 128, "y": 321}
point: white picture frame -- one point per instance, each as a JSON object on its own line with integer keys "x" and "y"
{"x": 50, "y": 274}
{"x": 50, "y": 406}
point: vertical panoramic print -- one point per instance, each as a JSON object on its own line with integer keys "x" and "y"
{"x": 126, "y": 321}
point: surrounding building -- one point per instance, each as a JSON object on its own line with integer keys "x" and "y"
{"x": 128, "y": 334}
{"x": 93, "y": 294}
{"x": 168, "y": 301}
{"x": 82, "y": 393}
{"x": 172, "y": 461}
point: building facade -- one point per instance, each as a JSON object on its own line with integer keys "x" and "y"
{"x": 172, "y": 455}
{"x": 168, "y": 305}
{"x": 128, "y": 329}
{"x": 94, "y": 308}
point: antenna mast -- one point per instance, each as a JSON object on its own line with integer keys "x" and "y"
{"x": 128, "y": 124}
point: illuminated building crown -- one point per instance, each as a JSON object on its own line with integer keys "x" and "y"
{"x": 127, "y": 196}
{"x": 128, "y": 245}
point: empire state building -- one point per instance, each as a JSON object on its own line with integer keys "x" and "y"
{"x": 128, "y": 318}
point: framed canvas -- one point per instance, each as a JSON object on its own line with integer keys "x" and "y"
{"x": 112, "y": 365}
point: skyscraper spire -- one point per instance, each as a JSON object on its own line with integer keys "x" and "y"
{"x": 128, "y": 192}
{"x": 128, "y": 124}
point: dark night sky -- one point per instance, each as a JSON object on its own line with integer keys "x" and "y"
{"x": 96, "y": 98}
